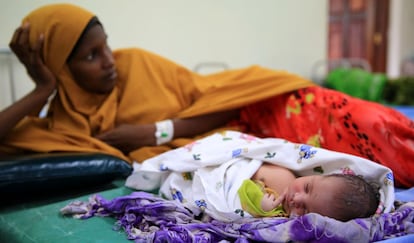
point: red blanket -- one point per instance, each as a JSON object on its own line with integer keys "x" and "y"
{"x": 336, "y": 121}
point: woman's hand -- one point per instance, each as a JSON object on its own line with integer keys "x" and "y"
{"x": 129, "y": 137}
{"x": 31, "y": 58}
{"x": 44, "y": 79}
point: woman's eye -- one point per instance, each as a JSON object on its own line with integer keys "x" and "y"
{"x": 90, "y": 56}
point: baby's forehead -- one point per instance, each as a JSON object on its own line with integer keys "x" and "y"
{"x": 329, "y": 181}
{"x": 335, "y": 177}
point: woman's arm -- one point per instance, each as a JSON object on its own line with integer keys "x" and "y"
{"x": 43, "y": 78}
{"x": 190, "y": 127}
{"x": 128, "y": 137}
{"x": 10, "y": 116}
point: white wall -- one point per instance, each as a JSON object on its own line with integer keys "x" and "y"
{"x": 407, "y": 33}
{"x": 280, "y": 34}
{"x": 401, "y": 35}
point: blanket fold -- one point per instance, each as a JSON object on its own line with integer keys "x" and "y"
{"x": 148, "y": 218}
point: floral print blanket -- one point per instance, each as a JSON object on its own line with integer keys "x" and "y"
{"x": 206, "y": 175}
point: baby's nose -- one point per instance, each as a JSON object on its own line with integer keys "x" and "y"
{"x": 298, "y": 200}
{"x": 297, "y": 197}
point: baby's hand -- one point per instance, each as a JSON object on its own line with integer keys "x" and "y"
{"x": 269, "y": 201}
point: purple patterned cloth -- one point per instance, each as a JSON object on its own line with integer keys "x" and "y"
{"x": 148, "y": 218}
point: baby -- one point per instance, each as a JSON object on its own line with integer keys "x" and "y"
{"x": 226, "y": 175}
{"x": 275, "y": 191}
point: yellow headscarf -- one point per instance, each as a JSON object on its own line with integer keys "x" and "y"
{"x": 149, "y": 88}
{"x": 62, "y": 25}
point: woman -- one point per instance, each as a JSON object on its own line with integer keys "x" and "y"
{"x": 135, "y": 104}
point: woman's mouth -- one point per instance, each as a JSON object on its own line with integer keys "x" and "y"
{"x": 109, "y": 81}
{"x": 111, "y": 76}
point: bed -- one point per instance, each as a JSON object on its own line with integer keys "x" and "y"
{"x": 220, "y": 162}
{"x": 37, "y": 218}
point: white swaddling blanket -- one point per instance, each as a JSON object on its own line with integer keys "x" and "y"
{"x": 206, "y": 174}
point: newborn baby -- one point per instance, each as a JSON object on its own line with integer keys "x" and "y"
{"x": 276, "y": 191}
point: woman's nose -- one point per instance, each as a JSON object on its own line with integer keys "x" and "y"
{"x": 108, "y": 61}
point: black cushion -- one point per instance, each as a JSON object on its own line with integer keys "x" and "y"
{"x": 59, "y": 170}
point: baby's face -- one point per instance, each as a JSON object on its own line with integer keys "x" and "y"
{"x": 311, "y": 194}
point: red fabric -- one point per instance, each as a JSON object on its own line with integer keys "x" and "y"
{"x": 336, "y": 121}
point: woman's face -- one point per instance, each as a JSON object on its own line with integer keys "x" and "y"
{"x": 92, "y": 64}
{"x": 311, "y": 194}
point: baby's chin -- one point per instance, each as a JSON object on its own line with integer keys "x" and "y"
{"x": 293, "y": 215}
{"x": 289, "y": 211}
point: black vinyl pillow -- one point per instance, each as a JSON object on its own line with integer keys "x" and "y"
{"x": 45, "y": 171}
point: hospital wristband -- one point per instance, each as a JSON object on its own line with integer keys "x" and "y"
{"x": 164, "y": 132}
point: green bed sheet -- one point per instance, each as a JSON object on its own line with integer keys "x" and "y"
{"x": 39, "y": 220}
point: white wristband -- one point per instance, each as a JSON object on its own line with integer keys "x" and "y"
{"x": 164, "y": 132}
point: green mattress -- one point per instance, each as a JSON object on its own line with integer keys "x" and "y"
{"x": 39, "y": 220}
